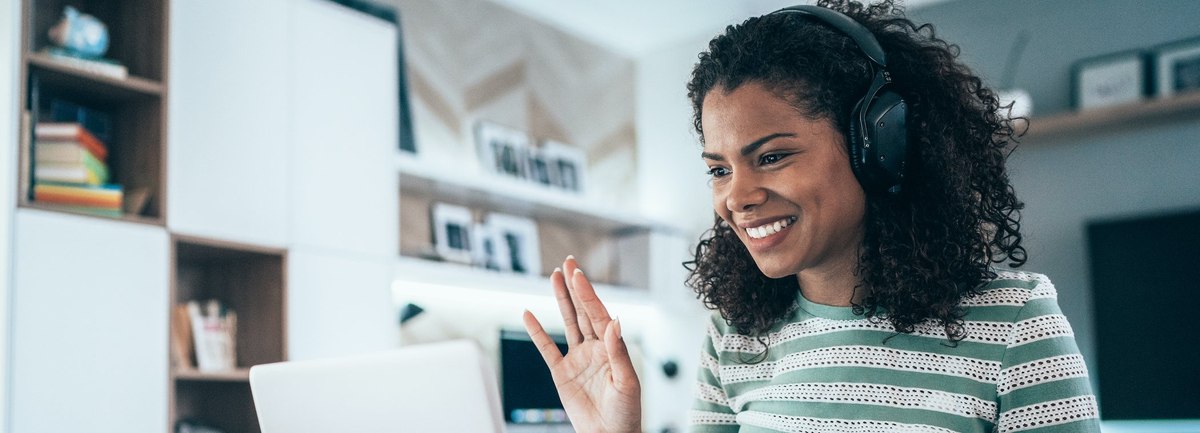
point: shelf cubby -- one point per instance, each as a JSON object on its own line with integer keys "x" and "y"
{"x": 568, "y": 223}
{"x": 136, "y": 104}
{"x": 251, "y": 281}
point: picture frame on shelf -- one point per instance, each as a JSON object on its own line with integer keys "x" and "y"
{"x": 452, "y": 226}
{"x": 567, "y": 165}
{"x": 540, "y": 171}
{"x": 1177, "y": 68}
{"x": 517, "y": 244}
{"x": 502, "y": 150}
{"x": 483, "y": 247}
{"x": 1108, "y": 80}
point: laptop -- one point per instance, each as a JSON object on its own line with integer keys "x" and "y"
{"x": 447, "y": 386}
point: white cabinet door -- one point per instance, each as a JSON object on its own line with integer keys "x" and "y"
{"x": 345, "y": 191}
{"x": 228, "y": 111}
{"x": 89, "y": 325}
{"x": 338, "y": 305}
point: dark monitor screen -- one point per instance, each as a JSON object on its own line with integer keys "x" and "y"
{"x": 1146, "y": 287}
{"x": 528, "y": 392}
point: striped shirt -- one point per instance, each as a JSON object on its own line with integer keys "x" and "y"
{"x": 828, "y": 370}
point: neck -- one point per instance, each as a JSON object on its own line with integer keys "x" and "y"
{"x": 831, "y": 285}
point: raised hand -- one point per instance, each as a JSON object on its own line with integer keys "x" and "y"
{"x": 595, "y": 379}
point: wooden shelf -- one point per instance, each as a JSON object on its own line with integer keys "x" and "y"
{"x": 102, "y": 87}
{"x": 514, "y": 196}
{"x": 1118, "y": 117}
{"x": 140, "y": 219}
{"x": 239, "y": 375}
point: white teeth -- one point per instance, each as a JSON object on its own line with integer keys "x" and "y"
{"x": 768, "y": 229}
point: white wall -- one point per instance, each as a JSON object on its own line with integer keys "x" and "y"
{"x": 1069, "y": 182}
{"x": 672, "y": 187}
{"x": 9, "y": 58}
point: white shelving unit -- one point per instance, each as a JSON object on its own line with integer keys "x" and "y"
{"x": 419, "y": 275}
{"x": 515, "y": 196}
{"x": 630, "y": 238}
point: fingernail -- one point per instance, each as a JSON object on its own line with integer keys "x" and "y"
{"x": 570, "y": 257}
{"x": 579, "y": 271}
{"x": 557, "y": 270}
{"x": 617, "y": 324}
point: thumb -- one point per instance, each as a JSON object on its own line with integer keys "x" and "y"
{"x": 624, "y": 377}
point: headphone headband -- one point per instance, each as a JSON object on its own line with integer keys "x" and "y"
{"x": 877, "y": 134}
{"x": 862, "y": 37}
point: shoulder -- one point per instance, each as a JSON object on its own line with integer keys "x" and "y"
{"x": 717, "y": 327}
{"x": 1012, "y": 288}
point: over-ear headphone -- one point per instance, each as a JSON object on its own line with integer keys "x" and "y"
{"x": 878, "y": 135}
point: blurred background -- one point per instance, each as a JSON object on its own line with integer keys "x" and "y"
{"x": 193, "y": 188}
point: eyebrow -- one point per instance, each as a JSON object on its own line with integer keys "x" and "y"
{"x": 749, "y": 148}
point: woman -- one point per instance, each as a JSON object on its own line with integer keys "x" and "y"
{"x": 861, "y": 198}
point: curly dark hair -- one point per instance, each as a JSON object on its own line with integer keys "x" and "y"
{"x": 922, "y": 251}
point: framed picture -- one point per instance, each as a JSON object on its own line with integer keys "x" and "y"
{"x": 452, "y": 227}
{"x": 567, "y": 165}
{"x": 1177, "y": 68}
{"x": 483, "y": 247}
{"x": 516, "y": 242}
{"x": 1109, "y": 80}
{"x": 539, "y": 168}
{"x": 502, "y": 149}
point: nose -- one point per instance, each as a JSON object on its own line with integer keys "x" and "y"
{"x": 745, "y": 193}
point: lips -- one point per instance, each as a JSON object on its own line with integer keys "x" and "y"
{"x": 764, "y": 229}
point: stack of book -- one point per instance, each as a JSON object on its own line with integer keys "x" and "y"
{"x": 204, "y": 332}
{"x": 70, "y": 169}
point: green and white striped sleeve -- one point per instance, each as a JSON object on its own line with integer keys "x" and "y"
{"x": 711, "y": 412}
{"x": 1043, "y": 386}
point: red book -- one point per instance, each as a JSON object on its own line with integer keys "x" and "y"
{"x": 74, "y": 132}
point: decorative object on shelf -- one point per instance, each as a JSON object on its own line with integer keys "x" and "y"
{"x": 214, "y": 330}
{"x": 80, "y": 42}
{"x": 83, "y": 34}
{"x": 1177, "y": 67}
{"x": 1108, "y": 80}
{"x": 568, "y": 165}
{"x": 516, "y": 241}
{"x": 452, "y": 226}
{"x": 1014, "y": 102}
{"x": 502, "y": 150}
{"x": 483, "y": 247}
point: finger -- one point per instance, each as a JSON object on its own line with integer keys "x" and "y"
{"x": 570, "y": 266}
{"x": 591, "y": 305}
{"x": 567, "y": 307}
{"x": 624, "y": 377}
{"x": 542, "y": 341}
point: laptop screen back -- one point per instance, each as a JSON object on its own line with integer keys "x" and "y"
{"x": 434, "y": 387}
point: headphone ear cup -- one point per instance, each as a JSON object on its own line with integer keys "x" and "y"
{"x": 887, "y": 129}
{"x": 855, "y": 146}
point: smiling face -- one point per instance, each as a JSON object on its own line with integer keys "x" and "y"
{"x": 783, "y": 182}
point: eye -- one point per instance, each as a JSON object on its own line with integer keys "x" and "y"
{"x": 771, "y": 158}
{"x": 718, "y": 171}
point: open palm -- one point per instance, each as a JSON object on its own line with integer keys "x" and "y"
{"x": 595, "y": 379}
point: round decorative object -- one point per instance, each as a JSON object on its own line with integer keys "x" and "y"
{"x": 83, "y": 34}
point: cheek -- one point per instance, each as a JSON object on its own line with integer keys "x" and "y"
{"x": 718, "y": 204}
